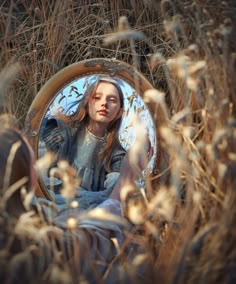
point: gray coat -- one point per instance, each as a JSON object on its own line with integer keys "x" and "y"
{"x": 63, "y": 140}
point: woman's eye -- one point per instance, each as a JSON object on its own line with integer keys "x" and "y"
{"x": 96, "y": 98}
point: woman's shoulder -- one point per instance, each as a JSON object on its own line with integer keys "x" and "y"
{"x": 64, "y": 128}
{"x": 53, "y": 123}
{"x": 118, "y": 149}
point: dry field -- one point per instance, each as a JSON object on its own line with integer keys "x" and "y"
{"x": 186, "y": 49}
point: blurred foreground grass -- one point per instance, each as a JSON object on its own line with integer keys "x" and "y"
{"x": 187, "y": 51}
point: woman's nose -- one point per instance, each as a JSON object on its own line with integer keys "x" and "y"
{"x": 104, "y": 102}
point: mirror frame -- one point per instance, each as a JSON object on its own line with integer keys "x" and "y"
{"x": 47, "y": 93}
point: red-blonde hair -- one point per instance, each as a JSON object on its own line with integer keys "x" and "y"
{"x": 82, "y": 115}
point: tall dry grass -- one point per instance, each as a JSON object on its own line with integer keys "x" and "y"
{"x": 187, "y": 51}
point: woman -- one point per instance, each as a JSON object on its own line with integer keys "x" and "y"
{"x": 88, "y": 140}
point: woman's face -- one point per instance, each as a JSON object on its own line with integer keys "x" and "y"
{"x": 105, "y": 106}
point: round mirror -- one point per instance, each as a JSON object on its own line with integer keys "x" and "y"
{"x": 64, "y": 92}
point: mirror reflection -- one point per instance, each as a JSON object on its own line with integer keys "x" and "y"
{"x": 76, "y": 111}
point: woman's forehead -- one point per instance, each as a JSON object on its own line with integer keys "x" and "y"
{"x": 107, "y": 86}
{"x": 107, "y": 83}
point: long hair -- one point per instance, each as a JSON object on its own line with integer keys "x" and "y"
{"x": 82, "y": 115}
{"x": 14, "y": 165}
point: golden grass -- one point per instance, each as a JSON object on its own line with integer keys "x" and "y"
{"x": 186, "y": 49}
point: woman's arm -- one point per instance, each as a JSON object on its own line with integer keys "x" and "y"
{"x": 52, "y": 136}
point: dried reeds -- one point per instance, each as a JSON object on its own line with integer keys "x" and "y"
{"x": 185, "y": 224}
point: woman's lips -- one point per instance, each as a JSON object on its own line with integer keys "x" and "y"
{"x": 102, "y": 112}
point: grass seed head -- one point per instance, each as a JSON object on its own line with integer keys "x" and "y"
{"x": 72, "y": 223}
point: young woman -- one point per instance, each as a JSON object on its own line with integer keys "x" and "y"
{"x": 88, "y": 140}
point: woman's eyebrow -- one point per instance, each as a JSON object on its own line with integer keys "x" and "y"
{"x": 97, "y": 94}
{"x": 109, "y": 95}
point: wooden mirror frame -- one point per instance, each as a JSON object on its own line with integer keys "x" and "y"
{"x": 45, "y": 96}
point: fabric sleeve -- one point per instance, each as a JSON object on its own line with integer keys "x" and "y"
{"x": 111, "y": 180}
{"x": 117, "y": 159}
{"x": 111, "y": 206}
{"x": 52, "y": 136}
